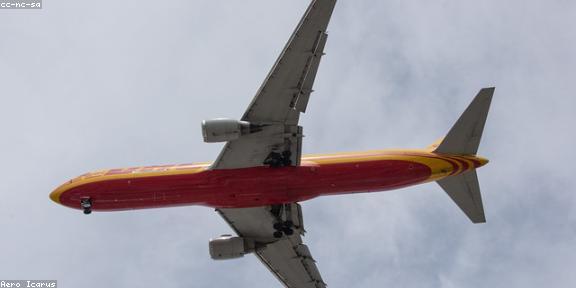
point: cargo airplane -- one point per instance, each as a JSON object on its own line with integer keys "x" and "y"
{"x": 259, "y": 177}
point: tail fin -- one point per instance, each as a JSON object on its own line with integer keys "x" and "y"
{"x": 464, "y": 139}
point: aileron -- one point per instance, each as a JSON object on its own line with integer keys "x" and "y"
{"x": 288, "y": 258}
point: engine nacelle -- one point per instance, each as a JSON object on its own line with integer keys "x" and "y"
{"x": 227, "y": 247}
{"x": 223, "y": 130}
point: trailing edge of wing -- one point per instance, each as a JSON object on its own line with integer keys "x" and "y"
{"x": 286, "y": 89}
{"x": 283, "y": 96}
{"x": 291, "y": 262}
{"x": 288, "y": 258}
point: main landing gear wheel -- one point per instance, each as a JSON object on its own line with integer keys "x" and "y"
{"x": 283, "y": 228}
{"x": 86, "y": 204}
{"x": 276, "y": 160}
{"x": 278, "y": 226}
{"x": 278, "y": 234}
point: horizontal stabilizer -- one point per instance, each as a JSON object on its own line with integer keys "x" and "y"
{"x": 465, "y": 191}
{"x": 464, "y": 137}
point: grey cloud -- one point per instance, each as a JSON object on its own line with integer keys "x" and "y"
{"x": 86, "y": 86}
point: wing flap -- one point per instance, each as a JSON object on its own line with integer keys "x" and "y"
{"x": 288, "y": 258}
{"x": 295, "y": 69}
{"x": 284, "y": 94}
{"x": 291, "y": 262}
{"x": 304, "y": 89}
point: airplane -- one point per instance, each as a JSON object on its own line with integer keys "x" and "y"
{"x": 260, "y": 176}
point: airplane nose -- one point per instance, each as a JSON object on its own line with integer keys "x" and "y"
{"x": 55, "y": 196}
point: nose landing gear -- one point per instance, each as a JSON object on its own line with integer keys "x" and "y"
{"x": 86, "y": 204}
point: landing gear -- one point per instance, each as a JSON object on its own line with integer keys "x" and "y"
{"x": 289, "y": 232}
{"x": 286, "y": 155}
{"x": 278, "y": 234}
{"x": 283, "y": 227}
{"x": 276, "y": 160}
{"x": 86, "y": 204}
{"x": 278, "y": 226}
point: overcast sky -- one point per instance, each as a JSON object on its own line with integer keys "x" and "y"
{"x": 105, "y": 84}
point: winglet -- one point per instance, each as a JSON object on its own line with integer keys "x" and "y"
{"x": 464, "y": 137}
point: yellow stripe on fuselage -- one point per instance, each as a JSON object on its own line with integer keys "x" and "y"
{"x": 440, "y": 166}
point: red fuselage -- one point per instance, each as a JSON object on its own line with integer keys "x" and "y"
{"x": 177, "y": 185}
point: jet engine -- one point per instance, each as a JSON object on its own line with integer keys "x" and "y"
{"x": 222, "y": 130}
{"x": 227, "y": 247}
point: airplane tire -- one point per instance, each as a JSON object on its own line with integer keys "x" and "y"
{"x": 278, "y": 226}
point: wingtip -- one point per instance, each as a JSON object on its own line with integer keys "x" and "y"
{"x": 480, "y": 220}
{"x": 488, "y": 90}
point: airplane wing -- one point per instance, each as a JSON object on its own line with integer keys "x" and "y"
{"x": 275, "y": 110}
{"x": 288, "y": 258}
{"x": 282, "y": 97}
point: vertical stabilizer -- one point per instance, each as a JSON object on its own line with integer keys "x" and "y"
{"x": 464, "y": 137}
